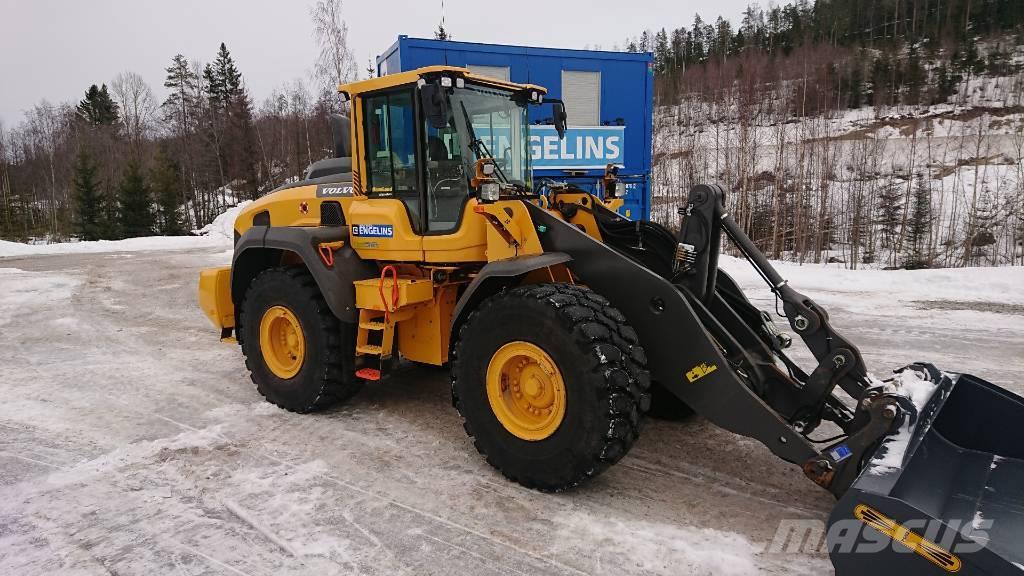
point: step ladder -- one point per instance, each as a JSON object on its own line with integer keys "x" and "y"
{"x": 383, "y": 303}
{"x": 374, "y": 343}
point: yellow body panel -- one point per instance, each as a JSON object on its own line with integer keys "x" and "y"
{"x": 511, "y": 232}
{"x": 425, "y": 336}
{"x": 410, "y": 291}
{"x": 215, "y": 296}
{"x": 403, "y": 245}
{"x": 467, "y": 244}
{"x": 297, "y": 206}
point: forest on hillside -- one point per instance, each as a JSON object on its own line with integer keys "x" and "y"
{"x": 790, "y": 108}
{"x": 119, "y": 163}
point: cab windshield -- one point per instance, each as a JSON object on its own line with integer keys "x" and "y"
{"x": 495, "y": 122}
{"x": 483, "y": 122}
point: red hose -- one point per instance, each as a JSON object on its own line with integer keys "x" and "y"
{"x": 394, "y": 291}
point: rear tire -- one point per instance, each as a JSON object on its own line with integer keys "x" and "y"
{"x": 322, "y": 372}
{"x": 595, "y": 351}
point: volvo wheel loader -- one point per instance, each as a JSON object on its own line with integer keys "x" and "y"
{"x": 426, "y": 238}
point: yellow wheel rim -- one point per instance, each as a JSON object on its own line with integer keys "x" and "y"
{"x": 526, "y": 391}
{"x": 282, "y": 343}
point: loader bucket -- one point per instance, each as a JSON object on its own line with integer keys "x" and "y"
{"x": 943, "y": 495}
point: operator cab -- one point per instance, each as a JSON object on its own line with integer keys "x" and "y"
{"x": 425, "y": 139}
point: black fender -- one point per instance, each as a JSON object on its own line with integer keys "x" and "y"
{"x": 496, "y": 276}
{"x": 682, "y": 355}
{"x": 262, "y": 247}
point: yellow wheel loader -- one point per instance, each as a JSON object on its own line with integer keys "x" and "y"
{"x": 426, "y": 238}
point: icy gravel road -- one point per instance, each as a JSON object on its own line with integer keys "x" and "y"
{"x": 132, "y": 442}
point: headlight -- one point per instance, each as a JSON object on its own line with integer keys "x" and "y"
{"x": 489, "y": 191}
{"x": 446, "y": 82}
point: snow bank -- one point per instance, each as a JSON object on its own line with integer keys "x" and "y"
{"x": 223, "y": 226}
{"x": 12, "y": 249}
{"x": 893, "y": 287}
{"x": 220, "y": 232}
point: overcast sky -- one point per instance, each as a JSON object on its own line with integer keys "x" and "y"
{"x": 55, "y": 49}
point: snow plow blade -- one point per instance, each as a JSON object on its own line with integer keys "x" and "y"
{"x": 943, "y": 495}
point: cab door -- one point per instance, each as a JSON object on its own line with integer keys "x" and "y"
{"x": 387, "y": 223}
{"x": 454, "y": 232}
{"x": 417, "y": 205}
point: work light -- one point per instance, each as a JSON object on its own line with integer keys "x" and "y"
{"x": 489, "y": 191}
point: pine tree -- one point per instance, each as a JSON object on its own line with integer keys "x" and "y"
{"x": 441, "y": 33}
{"x": 981, "y": 221}
{"x": 880, "y": 74}
{"x": 110, "y": 225}
{"x": 98, "y": 108}
{"x": 244, "y": 158}
{"x": 135, "y": 207}
{"x": 182, "y": 82}
{"x": 89, "y": 204}
{"x": 919, "y": 228}
{"x": 945, "y": 84}
{"x": 856, "y": 82}
{"x": 914, "y": 76}
{"x": 166, "y": 186}
{"x": 222, "y": 78}
{"x": 890, "y": 214}
{"x": 661, "y": 51}
{"x": 646, "y": 43}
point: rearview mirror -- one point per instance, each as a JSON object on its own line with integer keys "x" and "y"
{"x": 434, "y": 106}
{"x": 560, "y": 117}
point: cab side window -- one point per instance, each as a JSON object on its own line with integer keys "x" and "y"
{"x": 391, "y": 149}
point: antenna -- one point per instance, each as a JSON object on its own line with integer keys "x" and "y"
{"x": 442, "y": 32}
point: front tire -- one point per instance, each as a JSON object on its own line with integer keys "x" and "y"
{"x": 299, "y": 355}
{"x": 551, "y": 384}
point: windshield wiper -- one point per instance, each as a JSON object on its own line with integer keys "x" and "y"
{"x": 478, "y": 146}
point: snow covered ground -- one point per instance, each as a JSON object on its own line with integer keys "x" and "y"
{"x": 133, "y": 442}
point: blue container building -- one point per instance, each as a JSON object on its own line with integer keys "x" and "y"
{"x": 608, "y": 98}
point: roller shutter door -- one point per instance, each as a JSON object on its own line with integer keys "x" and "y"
{"x": 581, "y": 92}
{"x": 499, "y": 72}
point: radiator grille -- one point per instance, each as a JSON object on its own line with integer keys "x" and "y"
{"x": 331, "y": 214}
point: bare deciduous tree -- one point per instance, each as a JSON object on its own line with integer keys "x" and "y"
{"x": 138, "y": 106}
{"x": 335, "y": 63}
